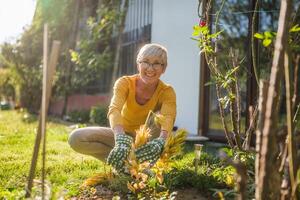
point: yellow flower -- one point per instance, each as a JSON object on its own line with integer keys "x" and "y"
{"x": 97, "y": 179}
{"x": 229, "y": 180}
{"x": 142, "y": 136}
{"x": 174, "y": 144}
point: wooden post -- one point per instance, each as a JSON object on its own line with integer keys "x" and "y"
{"x": 263, "y": 91}
{"x": 269, "y": 178}
{"x": 43, "y": 109}
{"x": 48, "y": 72}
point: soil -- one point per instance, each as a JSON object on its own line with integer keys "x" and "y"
{"x": 102, "y": 193}
{"x": 189, "y": 194}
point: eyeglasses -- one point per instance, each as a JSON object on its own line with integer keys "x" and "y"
{"x": 155, "y": 66}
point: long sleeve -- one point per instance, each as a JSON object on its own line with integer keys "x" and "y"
{"x": 120, "y": 94}
{"x": 168, "y": 109}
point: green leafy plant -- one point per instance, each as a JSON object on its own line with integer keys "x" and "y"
{"x": 94, "y": 53}
{"x": 268, "y": 37}
{"x": 98, "y": 115}
{"x": 223, "y": 80}
{"x": 79, "y": 116}
{"x": 7, "y": 89}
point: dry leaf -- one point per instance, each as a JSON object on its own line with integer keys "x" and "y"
{"x": 130, "y": 187}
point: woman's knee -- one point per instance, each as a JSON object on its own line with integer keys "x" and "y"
{"x": 74, "y": 139}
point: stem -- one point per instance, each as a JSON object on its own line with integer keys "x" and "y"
{"x": 221, "y": 110}
{"x": 218, "y": 14}
{"x": 234, "y": 111}
{"x": 253, "y": 50}
{"x": 148, "y": 119}
{"x": 291, "y": 141}
{"x": 251, "y": 128}
{"x": 296, "y": 113}
{"x": 215, "y": 72}
{"x": 295, "y": 99}
{"x": 234, "y": 118}
{"x": 198, "y": 8}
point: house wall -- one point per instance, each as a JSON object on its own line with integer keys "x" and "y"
{"x": 172, "y": 26}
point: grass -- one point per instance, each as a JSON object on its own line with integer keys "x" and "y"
{"x": 216, "y": 123}
{"x": 66, "y": 170}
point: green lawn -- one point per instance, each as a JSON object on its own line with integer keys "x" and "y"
{"x": 65, "y": 168}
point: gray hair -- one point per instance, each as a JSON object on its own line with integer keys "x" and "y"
{"x": 153, "y": 50}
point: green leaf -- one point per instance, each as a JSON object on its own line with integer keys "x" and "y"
{"x": 268, "y": 34}
{"x": 196, "y": 31}
{"x": 216, "y": 34}
{"x": 295, "y": 28}
{"x": 195, "y": 39}
{"x": 224, "y": 101}
{"x": 259, "y": 36}
{"x": 209, "y": 83}
{"x": 204, "y": 30}
{"x": 90, "y": 21}
{"x": 231, "y": 97}
{"x": 267, "y": 42}
{"x": 298, "y": 176}
{"x": 196, "y": 27}
{"x": 230, "y": 72}
{"x": 74, "y": 56}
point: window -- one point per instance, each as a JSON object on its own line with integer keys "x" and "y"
{"x": 236, "y": 18}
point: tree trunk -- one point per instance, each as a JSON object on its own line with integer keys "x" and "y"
{"x": 269, "y": 177}
{"x": 72, "y": 45}
{"x": 119, "y": 41}
{"x": 263, "y": 91}
{"x": 253, "y": 79}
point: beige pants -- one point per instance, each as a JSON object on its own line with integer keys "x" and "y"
{"x": 94, "y": 141}
{"x": 99, "y": 141}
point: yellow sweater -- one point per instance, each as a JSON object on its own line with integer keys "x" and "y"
{"x": 125, "y": 111}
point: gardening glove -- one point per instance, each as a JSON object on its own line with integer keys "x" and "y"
{"x": 151, "y": 151}
{"x": 120, "y": 152}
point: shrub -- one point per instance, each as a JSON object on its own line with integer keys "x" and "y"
{"x": 79, "y": 116}
{"x": 98, "y": 115}
{"x": 7, "y": 89}
{"x": 4, "y": 105}
{"x": 28, "y": 117}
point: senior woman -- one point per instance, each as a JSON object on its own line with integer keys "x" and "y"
{"x": 133, "y": 97}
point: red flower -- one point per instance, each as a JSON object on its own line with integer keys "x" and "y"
{"x": 202, "y": 23}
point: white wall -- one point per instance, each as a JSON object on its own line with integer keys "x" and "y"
{"x": 172, "y": 26}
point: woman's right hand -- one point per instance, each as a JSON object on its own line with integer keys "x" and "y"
{"x": 120, "y": 152}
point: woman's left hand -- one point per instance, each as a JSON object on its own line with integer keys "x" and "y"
{"x": 151, "y": 151}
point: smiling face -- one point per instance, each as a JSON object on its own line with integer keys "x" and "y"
{"x": 151, "y": 62}
{"x": 150, "y": 69}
